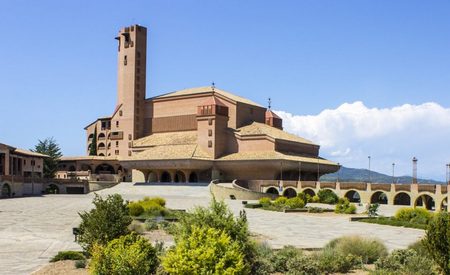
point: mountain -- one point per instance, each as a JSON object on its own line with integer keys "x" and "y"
{"x": 362, "y": 175}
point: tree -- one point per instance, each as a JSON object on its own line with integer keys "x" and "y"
{"x": 437, "y": 241}
{"x": 107, "y": 221}
{"x": 93, "y": 148}
{"x": 130, "y": 254}
{"x": 50, "y": 148}
{"x": 206, "y": 250}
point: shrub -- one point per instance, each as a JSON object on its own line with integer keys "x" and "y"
{"x": 129, "y": 254}
{"x": 280, "y": 201}
{"x": 108, "y": 220}
{"x": 150, "y": 225}
{"x": 158, "y": 200}
{"x": 373, "y": 209}
{"x": 262, "y": 261}
{"x": 295, "y": 203}
{"x": 327, "y": 196}
{"x": 315, "y": 210}
{"x": 404, "y": 261}
{"x": 265, "y": 201}
{"x": 67, "y": 255}
{"x": 305, "y": 197}
{"x": 302, "y": 265}
{"x": 414, "y": 215}
{"x": 332, "y": 261}
{"x": 315, "y": 199}
{"x": 136, "y": 226}
{"x": 368, "y": 249}
{"x": 437, "y": 241}
{"x": 345, "y": 207}
{"x": 80, "y": 263}
{"x": 281, "y": 257}
{"x": 206, "y": 251}
{"x": 135, "y": 209}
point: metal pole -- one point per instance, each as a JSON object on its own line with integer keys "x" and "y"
{"x": 281, "y": 176}
{"x": 299, "y": 171}
{"x": 339, "y": 172}
{"x": 369, "y": 168}
{"x": 318, "y": 169}
{"x": 393, "y": 172}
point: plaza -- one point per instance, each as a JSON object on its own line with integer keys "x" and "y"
{"x": 33, "y": 229}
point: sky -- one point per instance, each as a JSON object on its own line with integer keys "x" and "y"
{"x": 361, "y": 78}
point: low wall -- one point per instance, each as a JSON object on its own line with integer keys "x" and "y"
{"x": 222, "y": 192}
{"x": 99, "y": 185}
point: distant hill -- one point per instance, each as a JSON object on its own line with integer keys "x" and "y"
{"x": 353, "y": 174}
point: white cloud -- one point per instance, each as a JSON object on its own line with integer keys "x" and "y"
{"x": 351, "y": 132}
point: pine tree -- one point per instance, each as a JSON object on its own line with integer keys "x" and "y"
{"x": 50, "y": 148}
{"x": 93, "y": 148}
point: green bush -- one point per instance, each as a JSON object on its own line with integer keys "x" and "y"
{"x": 404, "y": 261}
{"x": 67, "y": 255}
{"x": 281, "y": 257}
{"x": 372, "y": 210}
{"x": 136, "y": 226}
{"x": 108, "y": 220}
{"x": 394, "y": 222}
{"x": 129, "y": 254}
{"x": 437, "y": 241}
{"x": 315, "y": 210}
{"x": 280, "y": 201}
{"x": 368, "y": 249}
{"x": 158, "y": 200}
{"x": 80, "y": 263}
{"x": 265, "y": 201}
{"x": 327, "y": 196}
{"x": 345, "y": 207}
{"x": 295, "y": 203}
{"x": 302, "y": 265}
{"x": 315, "y": 199}
{"x": 414, "y": 215}
{"x": 262, "y": 259}
{"x": 332, "y": 261}
{"x": 305, "y": 197}
{"x": 150, "y": 225}
{"x": 206, "y": 250}
{"x": 135, "y": 209}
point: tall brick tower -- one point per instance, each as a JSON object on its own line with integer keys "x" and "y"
{"x": 131, "y": 80}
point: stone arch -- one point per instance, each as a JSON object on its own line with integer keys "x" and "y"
{"x": 309, "y": 191}
{"x": 152, "y": 176}
{"x": 85, "y": 167}
{"x": 444, "y": 204}
{"x": 101, "y": 155}
{"x": 353, "y": 196}
{"x": 91, "y": 136}
{"x": 272, "y": 190}
{"x": 179, "y": 176}
{"x": 379, "y": 197}
{"x": 101, "y": 136}
{"x": 402, "y": 198}
{"x": 165, "y": 177}
{"x": 193, "y": 177}
{"x": 72, "y": 168}
{"x": 52, "y": 189}
{"x": 426, "y": 201}
{"x": 6, "y": 191}
{"x": 101, "y": 146}
{"x": 290, "y": 193}
{"x": 104, "y": 168}
{"x": 109, "y": 145}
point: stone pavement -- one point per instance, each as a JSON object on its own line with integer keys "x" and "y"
{"x": 33, "y": 229}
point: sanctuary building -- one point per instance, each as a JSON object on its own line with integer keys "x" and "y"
{"x": 190, "y": 135}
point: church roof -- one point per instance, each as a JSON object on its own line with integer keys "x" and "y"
{"x": 172, "y": 152}
{"x": 257, "y": 128}
{"x": 171, "y": 138}
{"x": 212, "y": 100}
{"x": 270, "y": 113}
{"x": 208, "y": 89}
{"x": 274, "y": 155}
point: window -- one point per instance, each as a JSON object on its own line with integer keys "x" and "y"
{"x": 129, "y": 136}
{"x": 129, "y": 153}
{"x": 138, "y": 54}
{"x": 117, "y": 144}
{"x": 125, "y": 60}
{"x": 210, "y": 121}
{"x": 117, "y": 123}
{"x": 120, "y": 113}
{"x": 209, "y": 132}
{"x": 129, "y": 144}
{"x": 209, "y": 143}
{"x": 24, "y": 162}
{"x": 116, "y": 152}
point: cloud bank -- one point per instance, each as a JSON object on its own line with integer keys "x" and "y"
{"x": 352, "y": 132}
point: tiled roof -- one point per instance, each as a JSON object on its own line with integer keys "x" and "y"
{"x": 175, "y": 152}
{"x": 273, "y": 155}
{"x": 89, "y": 158}
{"x": 30, "y": 153}
{"x": 208, "y": 89}
{"x": 257, "y": 128}
{"x": 172, "y": 138}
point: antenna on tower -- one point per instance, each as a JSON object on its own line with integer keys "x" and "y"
{"x": 213, "y": 86}
{"x": 270, "y": 103}
{"x": 414, "y": 160}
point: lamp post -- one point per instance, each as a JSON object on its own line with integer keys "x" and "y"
{"x": 339, "y": 172}
{"x": 318, "y": 169}
{"x": 393, "y": 172}
{"x": 447, "y": 173}
{"x": 299, "y": 171}
{"x": 369, "y": 168}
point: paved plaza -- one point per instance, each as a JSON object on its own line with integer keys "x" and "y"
{"x": 33, "y": 229}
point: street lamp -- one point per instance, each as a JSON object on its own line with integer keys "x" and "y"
{"x": 369, "y": 167}
{"x": 339, "y": 171}
{"x": 393, "y": 172}
{"x": 447, "y": 174}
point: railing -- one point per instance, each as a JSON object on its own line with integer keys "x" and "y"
{"x": 444, "y": 189}
{"x": 381, "y": 186}
{"x": 308, "y": 184}
{"x": 289, "y": 183}
{"x": 403, "y": 187}
{"x": 427, "y": 188}
{"x": 331, "y": 185}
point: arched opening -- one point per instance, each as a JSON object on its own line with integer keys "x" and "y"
{"x": 52, "y": 189}
{"x": 402, "y": 199}
{"x": 109, "y": 145}
{"x": 272, "y": 190}
{"x": 444, "y": 205}
{"x": 104, "y": 169}
{"x": 85, "y": 167}
{"x": 179, "y": 177}
{"x": 290, "y": 193}
{"x": 353, "y": 196}
{"x": 72, "y": 168}
{"x": 425, "y": 201}
{"x": 6, "y": 191}
{"x": 165, "y": 177}
{"x": 119, "y": 169}
{"x": 152, "y": 177}
{"x": 91, "y": 136}
{"x": 379, "y": 197}
{"x": 193, "y": 177}
{"x": 101, "y": 136}
{"x": 101, "y": 155}
{"x": 101, "y": 146}
{"x": 309, "y": 191}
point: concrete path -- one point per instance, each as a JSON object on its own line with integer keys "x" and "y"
{"x": 34, "y": 229}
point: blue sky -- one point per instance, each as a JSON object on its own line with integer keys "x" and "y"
{"x": 58, "y": 67}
